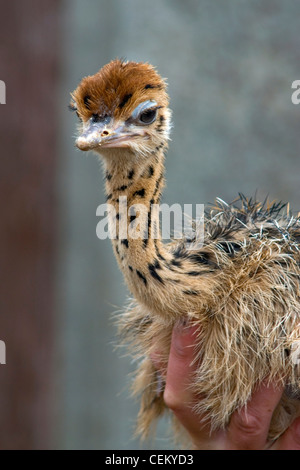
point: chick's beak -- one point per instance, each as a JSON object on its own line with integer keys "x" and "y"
{"x": 102, "y": 135}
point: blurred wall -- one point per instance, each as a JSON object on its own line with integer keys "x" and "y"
{"x": 29, "y": 66}
{"x": 230, "y": 66}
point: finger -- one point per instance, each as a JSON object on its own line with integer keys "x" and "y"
{"x": 249, "y": 427}
{"x": 290, "y": 440}
{"x": 178, "y": 395}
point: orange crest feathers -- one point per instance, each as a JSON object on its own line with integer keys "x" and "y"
{"x": 118, "y": 88}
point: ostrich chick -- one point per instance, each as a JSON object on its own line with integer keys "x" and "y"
{"x": 240, "y": 287}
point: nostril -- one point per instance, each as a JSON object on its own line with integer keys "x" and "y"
{"x": 104, "y": 133}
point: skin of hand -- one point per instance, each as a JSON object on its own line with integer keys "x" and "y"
{"x": 247, "y": 430}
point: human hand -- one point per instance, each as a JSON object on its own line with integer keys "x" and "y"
{"x": 247, "y": 430}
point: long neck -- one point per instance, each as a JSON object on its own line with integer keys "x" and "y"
{"x": 152, "y": 272}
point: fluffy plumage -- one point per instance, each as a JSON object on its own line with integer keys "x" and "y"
{"x": 241, "y": 287}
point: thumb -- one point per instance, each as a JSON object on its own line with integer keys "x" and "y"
{"x": 178, "y": 395}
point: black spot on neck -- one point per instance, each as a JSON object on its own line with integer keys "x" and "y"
{"x": 150, "y": 171}
{"x": 140, "y": 192}
{"x": 158, "y": 182}
{"x": 131, "y": 174}
{"x": 175, "y": 262}
{"x": 152, "y": 270}
{"x": 122, "y": 188}
{"x": 160, "y": 256}
{"x": 157, "y": 264}
{"x": 149, "y": 221}
{"x": 180, "y": 252}
{"x": 141, "y": 276}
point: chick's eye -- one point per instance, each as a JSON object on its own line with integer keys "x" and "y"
{"x": 149, "y": 116}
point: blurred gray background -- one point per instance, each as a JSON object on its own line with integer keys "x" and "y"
{"x": 230, "y": 66}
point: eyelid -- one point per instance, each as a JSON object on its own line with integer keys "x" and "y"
{"x": 145, "y": 106}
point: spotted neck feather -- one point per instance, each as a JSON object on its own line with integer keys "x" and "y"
{"x": 154, "y": 274}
